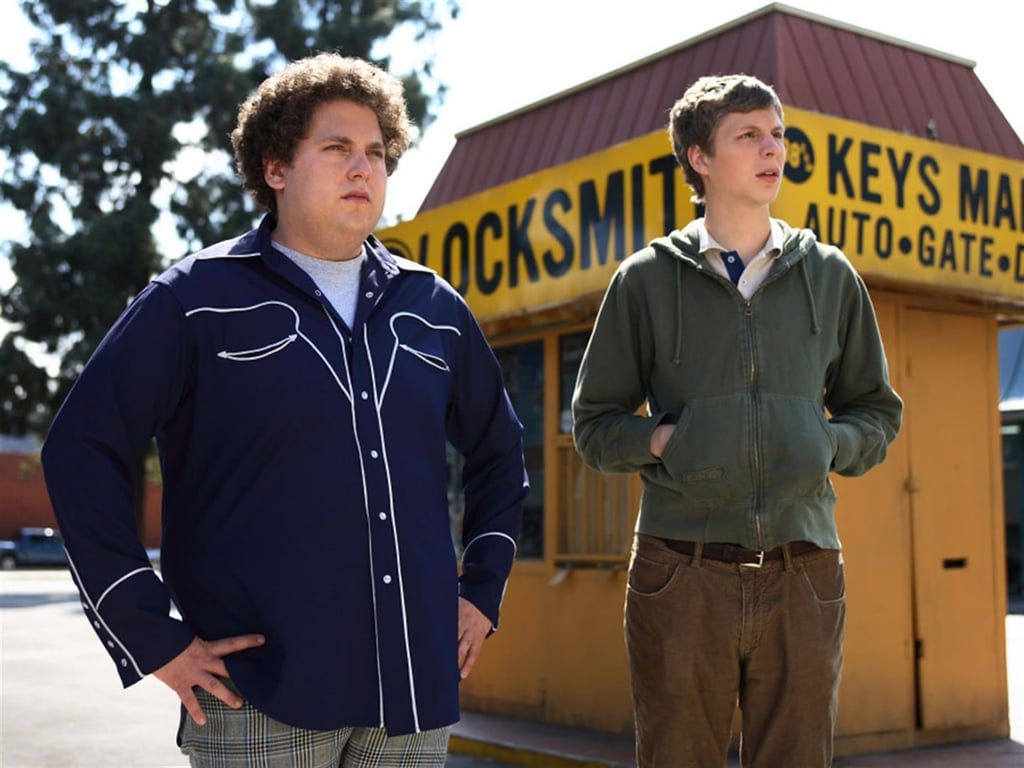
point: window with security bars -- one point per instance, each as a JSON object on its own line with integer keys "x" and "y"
{"x": 523, "y": 366}
{"x": 574, "y": 515}
{"x": 523, "y": 369}
{"x": 595, "y": 512}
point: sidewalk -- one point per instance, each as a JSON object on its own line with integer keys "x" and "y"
{"x": 514, "y": 742}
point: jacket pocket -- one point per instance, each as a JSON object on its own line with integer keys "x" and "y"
{"x": 708, "y": 455}
{"x": 797, "y": 446}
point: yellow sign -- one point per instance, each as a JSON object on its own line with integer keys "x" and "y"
{"x": 900, "y": 207}
{"x": 906, "y": 208}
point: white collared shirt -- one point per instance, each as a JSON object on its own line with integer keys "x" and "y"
{"x": 756, "y": 270}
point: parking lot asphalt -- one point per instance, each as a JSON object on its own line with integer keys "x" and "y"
{"x": 61, "y": 703}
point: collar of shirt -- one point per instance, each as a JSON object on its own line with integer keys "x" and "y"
{"x": 756, "y": 269}
{"x": 772, "y": 246}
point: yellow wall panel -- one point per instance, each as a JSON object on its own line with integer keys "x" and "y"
{"x": 950, "y": 396}
{"x": 874, "y": 528}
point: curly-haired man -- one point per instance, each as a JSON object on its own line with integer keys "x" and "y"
{"x": 302, "y": 384}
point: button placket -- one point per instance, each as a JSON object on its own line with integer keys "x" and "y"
{"x": 384, "y": 570}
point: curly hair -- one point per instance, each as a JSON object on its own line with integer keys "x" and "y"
{"x": 277, "y": 115}
{"x": 693, "y": 119}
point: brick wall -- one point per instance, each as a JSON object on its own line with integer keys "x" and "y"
{"x": 24, "y": 501}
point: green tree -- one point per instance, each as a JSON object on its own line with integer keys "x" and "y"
{"x": 94, "y": 136}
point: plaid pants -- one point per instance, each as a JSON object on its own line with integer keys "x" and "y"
{"x": 246, "y": 738}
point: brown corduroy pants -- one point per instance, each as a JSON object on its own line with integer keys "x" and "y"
{"x": 704, "y": 637}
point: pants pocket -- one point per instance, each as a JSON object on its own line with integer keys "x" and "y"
{"x": 649, "y": 577}
{"x": 825, "y": 576}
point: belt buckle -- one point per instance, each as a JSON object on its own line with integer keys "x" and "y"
{"x": 757, "y": 564}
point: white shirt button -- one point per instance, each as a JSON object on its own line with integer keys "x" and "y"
{"x": 387, "y": 579}
{"x": 318, "y": 293}
{"x": 383, "y": 515}
{"x": 373, "y": 454}
{"x": 369, "y": 294}
{"x": 124, "y": 662}
{"x": 732, "y": 259}
{"x": 364, "y": 395}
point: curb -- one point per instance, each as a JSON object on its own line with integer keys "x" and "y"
{"x": 518, "y": 755}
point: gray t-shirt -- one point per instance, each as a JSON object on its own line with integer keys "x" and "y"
{"x": 337, "y": 280}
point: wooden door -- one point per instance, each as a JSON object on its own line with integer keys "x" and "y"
{"x": 950, "y": 387}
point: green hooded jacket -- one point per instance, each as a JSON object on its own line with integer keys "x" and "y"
{"x": 747, "y": 384}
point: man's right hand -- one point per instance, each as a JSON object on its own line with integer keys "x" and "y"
{"x": 202, "y": 664}
{"x": 660, "y": 437}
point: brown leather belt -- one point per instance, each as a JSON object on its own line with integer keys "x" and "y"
{"x": 731, "y": 553}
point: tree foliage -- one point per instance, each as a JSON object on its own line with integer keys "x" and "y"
{"x": 95, "y": 135}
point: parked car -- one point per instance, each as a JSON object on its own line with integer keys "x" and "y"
{"x": 33, "y": 546}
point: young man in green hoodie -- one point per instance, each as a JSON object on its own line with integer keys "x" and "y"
{"x": 756, "y": 351}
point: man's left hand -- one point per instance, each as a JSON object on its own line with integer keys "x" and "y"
{"x": 473, "y": 630}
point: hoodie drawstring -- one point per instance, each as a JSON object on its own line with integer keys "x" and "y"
{"x": 677, "y": 354}
{"x": 815, "y": 328}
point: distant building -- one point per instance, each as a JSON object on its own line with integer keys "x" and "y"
{"x": 24, "y": 501}
{"x": 23, "y": 498}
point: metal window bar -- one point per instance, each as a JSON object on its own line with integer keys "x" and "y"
{"x": 595, "y": 512}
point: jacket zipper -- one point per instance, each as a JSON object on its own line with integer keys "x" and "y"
{"x": 755, "y": 422}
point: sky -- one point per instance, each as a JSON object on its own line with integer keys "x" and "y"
{"x": 499, "y": 56}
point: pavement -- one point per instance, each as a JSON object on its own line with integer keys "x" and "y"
{"x": 61, "y": 704}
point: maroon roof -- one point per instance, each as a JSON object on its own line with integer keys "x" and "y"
{"x": 815, "y": 64}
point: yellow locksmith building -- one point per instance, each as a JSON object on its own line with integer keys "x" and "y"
{"x": 896, "y": 154}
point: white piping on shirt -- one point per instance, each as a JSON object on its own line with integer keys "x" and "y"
{"x": 440, "y": 364}
{"x": 248, "y": 356}
{"x": 429, "y": 359}
{"x": 477, "y": 538}
{"x": 366, "y": 511}
{"x": 126, "y": 576}
{"x": 515, "y": 549}
{"x": 245, "y": 355}
{"x": 394, "y": 523}
{"x": 95, "y": 607}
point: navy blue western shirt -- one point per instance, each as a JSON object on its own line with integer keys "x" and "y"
{"x": 304, "y": 483}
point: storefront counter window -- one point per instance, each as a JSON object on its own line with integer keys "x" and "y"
{"x": 573, "y": 514}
